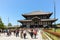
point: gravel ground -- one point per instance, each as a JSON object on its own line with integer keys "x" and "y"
{"x": 12, "y": 37}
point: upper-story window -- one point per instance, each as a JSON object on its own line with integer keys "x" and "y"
{"x": 28, "y": 18}
{"x": 40, "y": 17}
{"x": 44, "y": 17}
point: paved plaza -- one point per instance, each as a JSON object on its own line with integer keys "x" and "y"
{"x": 12, "y": 37}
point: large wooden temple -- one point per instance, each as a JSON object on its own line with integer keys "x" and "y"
{"x": 37, "y": 19}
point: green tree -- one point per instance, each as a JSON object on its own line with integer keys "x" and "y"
{"x": 1, "y": 24}
{"x": 9, "y": 24}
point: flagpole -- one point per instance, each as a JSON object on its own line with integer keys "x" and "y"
{"x": 54, "y": 15}
{"x": 54, "y": 9}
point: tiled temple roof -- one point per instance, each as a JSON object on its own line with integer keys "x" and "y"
{"x": 40, "y": 20}
{"x": 37, "y": 13}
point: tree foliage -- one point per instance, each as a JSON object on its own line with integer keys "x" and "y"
{"x": 9, "y": 24}
{"x": 1, "y": 23}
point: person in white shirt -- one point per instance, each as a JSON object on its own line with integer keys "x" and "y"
{"x": 24, "y": 33}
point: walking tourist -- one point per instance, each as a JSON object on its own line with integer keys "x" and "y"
{"x": 21, "y": 33}
{"x": 17, "y": 32}
{"x": 14, "y": 32}
{"x": 31, "y": 33}
{"x": 24, "y": 33}
{"x": 0, "y": 31}
{"x": 35, "y": 32}
{"x": 7, "y": 32}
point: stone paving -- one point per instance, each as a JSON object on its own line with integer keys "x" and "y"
{"x": 12, "y": 37}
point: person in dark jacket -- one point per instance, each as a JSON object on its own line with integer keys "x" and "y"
{"x": 31, "y": 33}
{"x": 17, "y": 32}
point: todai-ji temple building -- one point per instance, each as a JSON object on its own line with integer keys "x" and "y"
{"x": 37, "y": 19}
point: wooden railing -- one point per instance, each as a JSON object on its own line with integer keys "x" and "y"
{"x": 45, "y": 36}
{"x": 54, "y": 33}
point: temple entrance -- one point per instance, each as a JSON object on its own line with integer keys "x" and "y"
{"x": 36, "y": 22}
{"x": 36, "y": 26}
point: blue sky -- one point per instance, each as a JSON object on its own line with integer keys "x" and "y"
{"x": 14, "y": 8}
